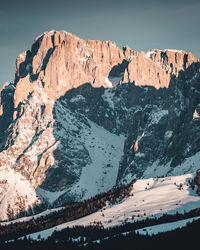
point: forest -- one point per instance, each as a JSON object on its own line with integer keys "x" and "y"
{"x": 72, "y": 211}
{"x": 96, "y": 236}
{"x": 184, "y": 238}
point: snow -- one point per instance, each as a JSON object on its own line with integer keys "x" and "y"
{"x": 173, "y": 50}
{"x": 153, "y": 51}
{"x": 137, "y": 83}
{"x": 157, "y": 115}
{"x": 189, "y": 165}
{"x": 156, "y": 170}
{"x": 108, "y": 97}
{"x": 105, "y": 150}
{"x": 15, "y": 192}
{"x": 151, "y": 198}
{"x": 51, "y": 31}
{"x": 77, "y": 98}
{"x": 108, "y": 82}
{"x": 150, "y": 53}
{"x": 102, "y": 151}
{"x": 83, "y": 59}
{"x": 168, "y": 134}
{"x": 139, "y": 155}
{"x": 115, "y": 80}
{"x": 32, "y": 217}
{"x": 22, "y": 55}
{"x": 49, "y": 196}
{"x": 165, "y": 227}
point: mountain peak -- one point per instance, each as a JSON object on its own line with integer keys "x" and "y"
{"x": 75, "y": 108}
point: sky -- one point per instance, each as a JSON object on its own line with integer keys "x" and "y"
{"x": 142, "y": 24}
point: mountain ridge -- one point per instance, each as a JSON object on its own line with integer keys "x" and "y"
{"x": 68, "y": 94}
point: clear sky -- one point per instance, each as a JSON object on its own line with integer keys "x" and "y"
{"x": 142, "y": 24}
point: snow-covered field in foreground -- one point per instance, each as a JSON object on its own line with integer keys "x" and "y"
{"x": 151, "y": 197}
{"x": 166, "y": 226}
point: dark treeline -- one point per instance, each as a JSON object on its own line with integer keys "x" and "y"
{"x": 184, "y": 238}
{"x": 179, "y": 239}
{"x": 71, "y": 212}
{"x": 97, "y": 231}
{"x": 79, "y": 236}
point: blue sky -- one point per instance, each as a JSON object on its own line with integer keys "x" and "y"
{"x": 143, "y": 24}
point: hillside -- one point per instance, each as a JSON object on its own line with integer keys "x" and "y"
{"x": 84, "y": 116}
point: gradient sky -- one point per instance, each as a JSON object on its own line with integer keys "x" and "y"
{"x": 142, "y": 24}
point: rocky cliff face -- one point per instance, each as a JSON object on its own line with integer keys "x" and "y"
{"x": 82, "y": 116}
{"x": 156, "y": 67}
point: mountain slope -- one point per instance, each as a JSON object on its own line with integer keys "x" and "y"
{"x": 150, "y": 198}
{"x": 83, "y": 116}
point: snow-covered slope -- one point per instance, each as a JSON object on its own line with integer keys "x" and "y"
{"x": 101, "y": 152}
{"x": 165, "y": 227}
{"x": 105, "y": 150}
{"x": 150, "y": 198}
{"x": 31, "y": 217}
{"x": 16, "y": 194}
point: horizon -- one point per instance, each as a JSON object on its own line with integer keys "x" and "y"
{"x": 141, "y": 25}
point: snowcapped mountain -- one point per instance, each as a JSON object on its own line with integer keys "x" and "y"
{"x": 84, "y": 116}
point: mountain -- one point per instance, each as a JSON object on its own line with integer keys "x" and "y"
{"x": 84, "y": 116}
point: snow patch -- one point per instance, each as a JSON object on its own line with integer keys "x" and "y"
{"x": 156, "y": 170}
{"x": 189, "y": 165}
{"x": 108, "y": 97}
{"x": 49, "y": 196}
{"x": 150, "y": 53}
{"x": 157, "y": 115}
{"x": 168, "y": 134}
{"x": 77, "y": 98}
{"x": 108, "y": 82}
{"x": 173, "y": 50}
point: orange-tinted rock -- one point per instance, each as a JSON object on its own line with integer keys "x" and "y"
{"x": 156, "y": 67}
{"x": 62, "y": 61}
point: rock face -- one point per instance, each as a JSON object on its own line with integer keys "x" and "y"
{"x": 163, "y": 136}
{"x": 82, "y": 116}
{"x": 197, "y": 181}
{"x": 61, "y": 61}
{"x": 156, "y": 67}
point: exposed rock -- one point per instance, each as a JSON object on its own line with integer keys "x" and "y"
{"x": 156, "y": 67}
{"x": 61, "y": 61}
{"x": 62, "y": 126}
{"x": 197, "y": 181}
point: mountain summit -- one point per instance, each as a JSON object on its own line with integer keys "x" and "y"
{"x": 84, "y": 116}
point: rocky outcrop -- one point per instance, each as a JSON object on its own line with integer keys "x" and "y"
{"x": 197, "y": 181}
{"x": 62, "y": 61}
{"x": 156, "y": 67}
